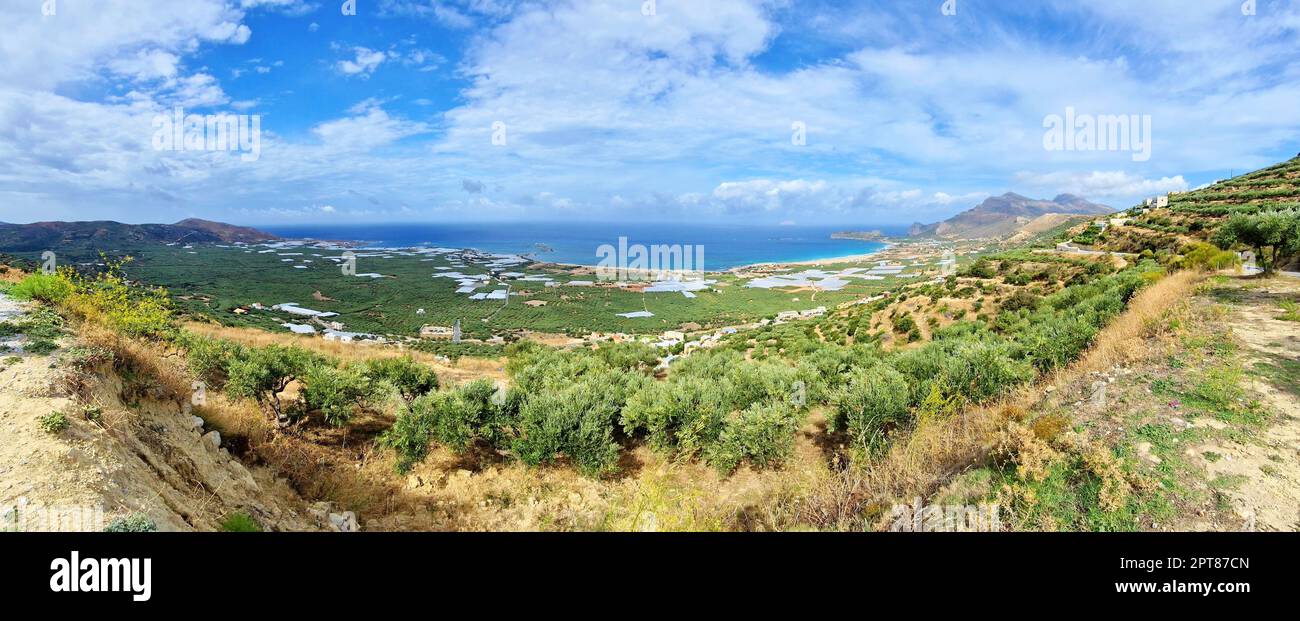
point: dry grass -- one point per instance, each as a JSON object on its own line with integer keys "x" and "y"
{"x": 461, "y": 371}
{"x": 11, "y": 275}
{"x": 1122, "y": 340}
{"x": 315, "y": 471}
{"x": 938, "y": 450}
{"x": 161, "y": 365}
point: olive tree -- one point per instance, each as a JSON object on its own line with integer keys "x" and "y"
{"x": 1274, "y": 236}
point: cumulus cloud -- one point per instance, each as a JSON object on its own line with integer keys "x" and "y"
{"x": 363, "y": 64}
{"x": 686, "y": 113}
{"x": 1101, "y": 184}
{"x": 369, "y": 127}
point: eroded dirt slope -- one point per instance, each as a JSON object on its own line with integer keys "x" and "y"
{"x": 114, "y": 460}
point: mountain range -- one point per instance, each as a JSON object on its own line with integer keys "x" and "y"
{"x": 1009, "y": 214}
{"x": 40, "y": 236}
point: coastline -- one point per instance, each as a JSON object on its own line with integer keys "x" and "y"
{"x": 736, "y": 248}
{"x": 851, "y": 258}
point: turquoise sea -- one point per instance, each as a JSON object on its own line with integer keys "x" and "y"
{"x": 725, "y": 247}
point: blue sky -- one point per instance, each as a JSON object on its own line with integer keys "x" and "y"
{"x": 678, "y": 110}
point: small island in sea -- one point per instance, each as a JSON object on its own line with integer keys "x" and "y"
{"x": 859, "y": 235}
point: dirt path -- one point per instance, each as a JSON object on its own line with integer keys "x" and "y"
{"x": 1265, "y": 466}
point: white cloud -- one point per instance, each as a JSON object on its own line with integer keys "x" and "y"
{"x": 288, "y": 7}
{"x": 1101, "y": 184}
{"x": 365, "y": 62}
{"x": 146, "y": 65}
{"x": 686, "y": 113}
{"x": 195, "y": 90}
{"x": 369, "y": 128}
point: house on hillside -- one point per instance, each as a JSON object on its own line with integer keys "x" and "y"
{"x": 436, "y": 332}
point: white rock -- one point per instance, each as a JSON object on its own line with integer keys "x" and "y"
{"x": 196, "y": 422}
{"x": 214, "y": 438}
{"x": 345, "y": 522}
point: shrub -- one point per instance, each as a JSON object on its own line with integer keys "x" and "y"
{"x": 682, "y": 416}
{"x": 48, "y": 288}
{"x": 240, "y": 522}
{"x": 1021, "y": 300}
{"x": 980, "y": 370}
{"x": 53, "y": 423}
{"x": 763, "y": 435}
{"x": 874, "y": 402}
{"x": 576, "y": 420}
{"x": 84, "y": 358}
{"x": 750, "y": 383}
{"x": 628, "y": 356}
{"x": 1203, "y": 256}
{"x": 904, "y": 324}
{"x": 921, "y": 367}
{"x": 335, "y": 393}
{"x": 263, "y": 373}
{"x": 411, "y": 379}
{"x": 409, "y": 437}
{"x": 40, "y": 347}
{"x": 131, "y": 310}
{"x": 827, "y": 369}
{"x": 981, "y": 268}
{"x": 466, "y": 416}
{"x": 458, "y": 420}
{"x": 1053, "y": 342}
{"x": 209, "y": 359}
{"x": 134, "y": 523}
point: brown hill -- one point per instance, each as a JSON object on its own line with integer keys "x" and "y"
{"x": 1006, "y": 215}
{"x": 226, "y": 232}
{"x": 107, "y": 235}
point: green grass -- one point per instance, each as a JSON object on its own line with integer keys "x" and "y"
{"x": 1226, "y": 482}
{"x": 1290, "y": 311}
{"x": 42, "y": 327}
{"x": 1284, "y": 373}
{"x": 240, "y": 522}
{"x": 1215, "y": 390}
{"x": 1068, "y": 499}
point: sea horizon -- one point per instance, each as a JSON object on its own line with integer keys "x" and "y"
{"x": 725, "y": 247}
